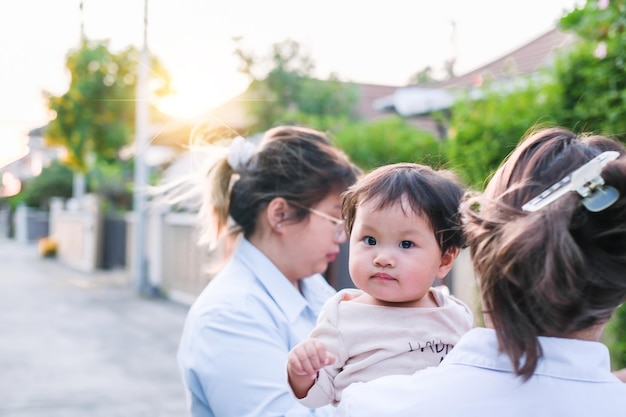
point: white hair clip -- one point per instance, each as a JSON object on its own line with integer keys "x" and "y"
{"x": 239, "y": 153}
{"x": 586, "y": 181}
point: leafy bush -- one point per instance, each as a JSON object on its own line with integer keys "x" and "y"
{"x": 593, "y": 75}
{"x": 113, "y": 182}
{"x": 387, "y": 141}
{"x": 54, "y": 181}
{"x": 615, "y": 338}
{"x": 593, "y": 97}
{"x": 483, "y": 132}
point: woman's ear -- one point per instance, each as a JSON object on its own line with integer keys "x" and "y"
{"x": 447, "y": 260}
{"x": 277, "y": 212}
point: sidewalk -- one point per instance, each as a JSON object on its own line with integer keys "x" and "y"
{"x": 78, "y": 344}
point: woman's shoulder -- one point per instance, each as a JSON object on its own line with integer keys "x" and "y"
{"x": 233, "y": 288}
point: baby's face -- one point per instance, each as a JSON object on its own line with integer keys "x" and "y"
{"x": 394, "y": 256}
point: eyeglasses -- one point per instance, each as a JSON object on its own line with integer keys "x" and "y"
{"x": 339, "y": 223}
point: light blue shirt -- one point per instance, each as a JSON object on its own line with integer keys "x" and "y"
{"x": 234, "y": 346}
{"x": 572, "y": 379}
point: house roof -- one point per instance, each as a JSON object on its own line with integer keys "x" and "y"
{"x": 413, "y": 100}
{"x": 233, "y": 111}
{"x": 369, "y": 94}
{"x": 524, "y": 60}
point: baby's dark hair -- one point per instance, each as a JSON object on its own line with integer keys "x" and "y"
{"x": 555, "y": 271}
{"x": 433, "y": 194}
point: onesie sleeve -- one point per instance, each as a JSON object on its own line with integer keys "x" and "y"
{"x": 323, "y": 391}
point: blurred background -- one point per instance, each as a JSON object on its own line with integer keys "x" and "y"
{"x": 101, "y": 100}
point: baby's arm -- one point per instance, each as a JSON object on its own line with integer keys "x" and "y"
{"x": 303, "y": 363}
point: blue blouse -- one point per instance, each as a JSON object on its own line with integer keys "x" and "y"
{"x": 234, "y": 346}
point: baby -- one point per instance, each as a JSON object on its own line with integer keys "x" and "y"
{"x": 403, "y": 224}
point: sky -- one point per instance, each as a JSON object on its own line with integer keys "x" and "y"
{"x": 377, "y": 42}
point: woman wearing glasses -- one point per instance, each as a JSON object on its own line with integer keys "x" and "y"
{"x": 278, "y": 206}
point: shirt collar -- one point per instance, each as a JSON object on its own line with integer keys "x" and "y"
{"x": 276, "y": 284}
{"x": 562, "y": 358}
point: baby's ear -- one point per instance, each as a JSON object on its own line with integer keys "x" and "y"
{"x": 447, "y": 260}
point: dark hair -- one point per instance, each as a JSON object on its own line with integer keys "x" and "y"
{"x": 295, "y": 163}
{"x": 433, "y": 194}
{"x": 554, "y": 271}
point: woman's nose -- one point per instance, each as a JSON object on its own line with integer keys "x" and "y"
{"x": 340, "y": 235}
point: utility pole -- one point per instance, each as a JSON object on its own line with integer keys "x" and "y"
{"x": 140, "y": 276}
{"x": 79, "y": 183}
{"x": 82, "y": 23}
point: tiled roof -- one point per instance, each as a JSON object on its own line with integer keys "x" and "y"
{"x": 416, "y": 100}
{"x": 526, "y": 59}
{"x": 369, "y": 94}
{"x": 233, "y": 111}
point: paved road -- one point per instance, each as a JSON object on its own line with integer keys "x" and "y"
{"x": 78, "y": 344}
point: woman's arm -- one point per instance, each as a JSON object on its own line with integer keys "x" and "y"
{"x": 238, "y": 359}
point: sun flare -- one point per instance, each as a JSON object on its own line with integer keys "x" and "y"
{"x": 12, "y": 145}
{"x": 184, "y": 105}
{"x": 194, "y": 97}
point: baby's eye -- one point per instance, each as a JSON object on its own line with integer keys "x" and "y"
{"x": 406, "y": 244}
{"x": 368, "y": 240}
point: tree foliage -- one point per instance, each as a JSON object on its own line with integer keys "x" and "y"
{"x": 484, "y": 131}
{"x": 593, "y": 79}
{"x": 284, "y": 91}
{"x": 585, "y": 91}
{"x": 616, "y": 337}
{"x": 95, "y": 118}
{"x": 54, "y": 181}
{"x": 387, "y": 141}
{"x": 593, "y": 76}
{"x": 113, "y": 182}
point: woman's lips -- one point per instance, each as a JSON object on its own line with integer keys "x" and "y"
{"x": 332, "y": 256}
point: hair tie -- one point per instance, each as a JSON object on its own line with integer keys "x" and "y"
{"x": 239, "y": 154}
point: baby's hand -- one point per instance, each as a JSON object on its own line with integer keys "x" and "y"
{"x": 308, "y": 357}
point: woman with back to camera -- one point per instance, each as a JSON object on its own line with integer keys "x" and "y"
{"x": 548, "y": 242}
{"x": 281, "y": 202}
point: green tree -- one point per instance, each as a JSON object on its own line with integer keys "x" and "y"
{"x": 484, "y": 131}
{"x": 113, "y": 182}
{"x": 593, "y": 75}
{"x": 424, "y": 76}
{"x": 283, "y": 90}
{"x": 389, "y": 140}
{"x": 54, "y": 181}
{"x": 95, "y": 118}
{"x": 593, "y": 79}
{"x": 616, "y": 337}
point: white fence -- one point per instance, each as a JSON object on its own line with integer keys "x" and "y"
{"x": 78, "y": 232}
{"x": 176, "y": 265}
